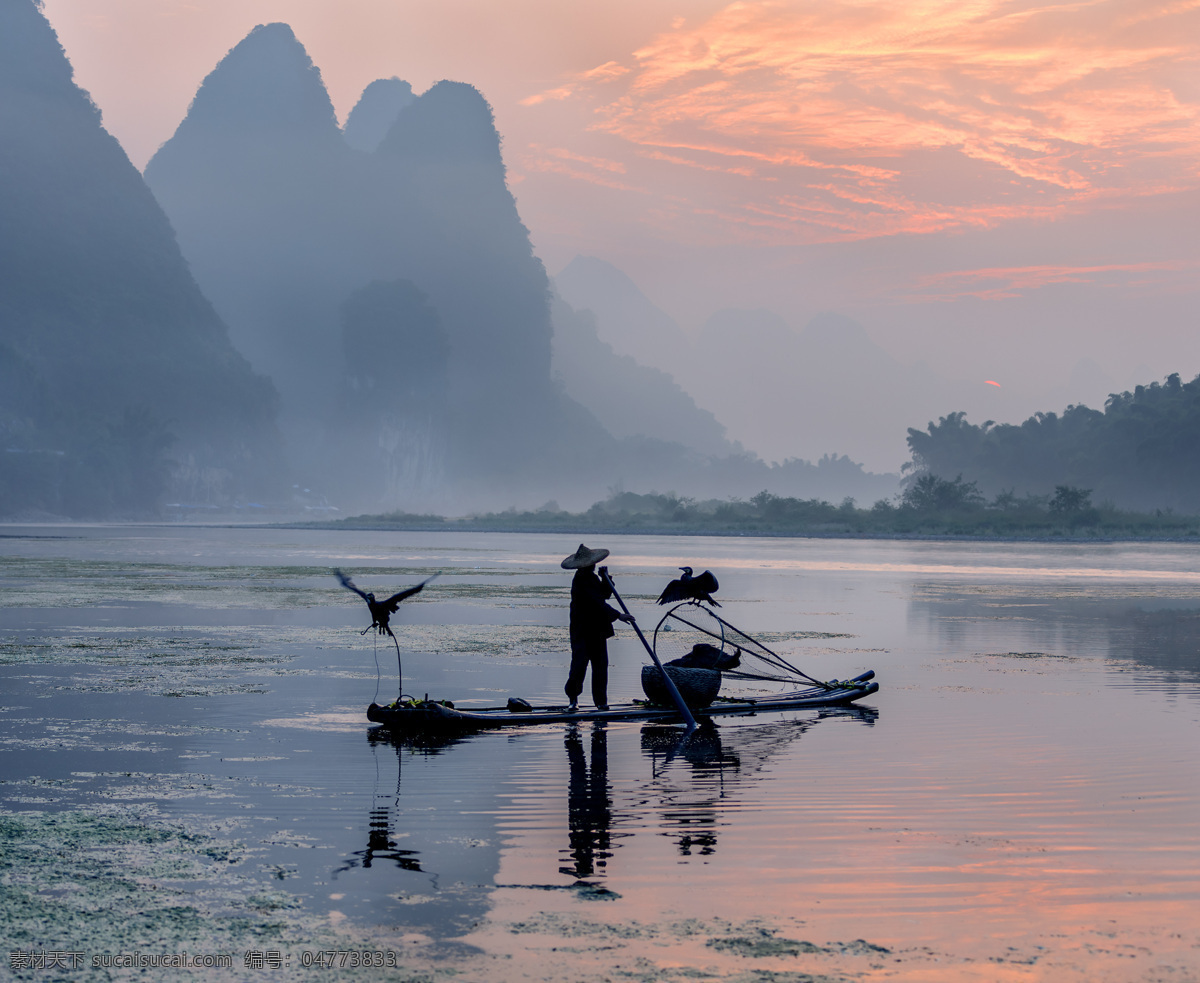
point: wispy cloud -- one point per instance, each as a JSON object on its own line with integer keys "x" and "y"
{"x": 999, "y": 283}
{"x": 910, "y": 116}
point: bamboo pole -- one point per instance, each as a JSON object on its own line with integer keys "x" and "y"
{"x": 683, "y": 708}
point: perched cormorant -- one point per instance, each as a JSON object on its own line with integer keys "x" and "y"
{"x": 689, "y": 588}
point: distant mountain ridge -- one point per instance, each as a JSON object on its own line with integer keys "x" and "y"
{"x": 122, "y": 361}
{"x": 781, "y": 392}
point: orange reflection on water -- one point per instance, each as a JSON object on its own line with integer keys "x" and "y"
{"x": 779, "y": 850}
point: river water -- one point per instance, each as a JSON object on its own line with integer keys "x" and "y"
{"x": 187, "y": 766}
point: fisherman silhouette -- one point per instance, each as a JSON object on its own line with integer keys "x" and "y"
{"x": 381, "y": 611}
{"x": 689, "y": 588}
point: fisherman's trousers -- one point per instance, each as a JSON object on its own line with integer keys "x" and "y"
{"x": 585, "y": 652}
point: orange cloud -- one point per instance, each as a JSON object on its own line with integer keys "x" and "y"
{"x": 1005, "y": 282}
{"x": 911, "y": 116}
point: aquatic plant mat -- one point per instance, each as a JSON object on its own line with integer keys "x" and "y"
{"x": 100, "y": 895}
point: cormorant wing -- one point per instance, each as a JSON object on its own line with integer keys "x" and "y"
{"x": 675, "y": 591}
{"x": 393, "y": 602}
{"x": 348, "y": 583}
{"x": 706, "y": 583}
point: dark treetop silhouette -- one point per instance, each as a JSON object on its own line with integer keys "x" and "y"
{"x": 689, "y": 588}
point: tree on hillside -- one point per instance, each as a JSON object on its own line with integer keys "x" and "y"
{"x": 394, "y": 391}
{"x": 396, "y": 350}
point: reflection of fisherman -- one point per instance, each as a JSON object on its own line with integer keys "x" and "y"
{"x": 589, "y": 807}
{"x": 591, "y": 626}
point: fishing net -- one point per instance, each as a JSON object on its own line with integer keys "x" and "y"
{"x": 684, "y": 627}
{"x": 690, "y": 623}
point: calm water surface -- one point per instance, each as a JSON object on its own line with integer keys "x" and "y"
{"x": 1021, "y": 800}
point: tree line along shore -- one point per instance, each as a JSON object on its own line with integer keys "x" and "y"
{"x": 929, "y": 507}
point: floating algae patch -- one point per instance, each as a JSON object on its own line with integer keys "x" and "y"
{"x": 118, "y": 647}
{"x": 511, "y": 640}
{"x": 507, "y": 591}
{"x": 775, "y": 637}
{"x": 764, "y": 942}
{"x": 573, "y": 927}
{"x": 90, "y": 885}
{"x": 650, "y": 952}
{"x": 176, "y": 662}
{"x": 782, "y": 976}
{"x": 1025, "y": 655}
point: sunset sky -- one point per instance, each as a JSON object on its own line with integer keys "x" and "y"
{"x": 999, "y": 189}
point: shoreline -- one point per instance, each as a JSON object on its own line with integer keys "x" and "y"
{"x": 467, "y": 526}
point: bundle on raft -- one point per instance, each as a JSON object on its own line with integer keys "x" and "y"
{"x": 698, "y": 687}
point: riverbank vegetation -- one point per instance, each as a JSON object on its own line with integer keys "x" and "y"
{"x": 1140, "y": 452}
{"x": 929, "y": 507}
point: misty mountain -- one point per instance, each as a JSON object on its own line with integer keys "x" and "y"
{"x": 255, "y": 181}
{"x": 829, "y": 387}
{"x": 669, "y": 443}
{"x": 446, "y": 220}
{"x": 110, "y": 355}
{"x": 629, "y": 399}
{"x": 356, "y": 268}
{"x": 397, "y": 378}
{"x": 285, "y": 218}
{"x": 626, "y": 319}
{"x": 375, "y": 112}
{"x": 779, "y": 392}
{"x": 1140, "y": 452}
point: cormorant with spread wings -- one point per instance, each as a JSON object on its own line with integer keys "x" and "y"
{"x": 689, "y": 588}
{"x": 381, "y": 611}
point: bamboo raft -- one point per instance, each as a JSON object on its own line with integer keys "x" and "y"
{"x": 432, "y": 716}
{"x": 709, "y": 649}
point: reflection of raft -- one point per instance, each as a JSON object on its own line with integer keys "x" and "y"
{"x": 428, "y": 716}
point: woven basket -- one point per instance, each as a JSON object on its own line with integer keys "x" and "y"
{"x": 698, "y": 687}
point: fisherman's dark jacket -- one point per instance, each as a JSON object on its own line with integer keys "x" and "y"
{"x": 591, "y": 618}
